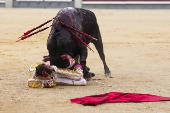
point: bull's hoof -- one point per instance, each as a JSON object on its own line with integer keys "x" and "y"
{"x": 89, "y": 78}
{"x": 108, "y": 74}
{"x": 92, "y": 74}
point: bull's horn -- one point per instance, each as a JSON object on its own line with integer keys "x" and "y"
{"x": 69, "y": 58}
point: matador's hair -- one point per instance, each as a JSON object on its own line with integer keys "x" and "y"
{"x": 41, "y": 68}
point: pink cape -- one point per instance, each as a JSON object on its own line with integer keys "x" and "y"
{"x": 114, "y": 97}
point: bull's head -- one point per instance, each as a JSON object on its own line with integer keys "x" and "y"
{"x": 64, "y": 61}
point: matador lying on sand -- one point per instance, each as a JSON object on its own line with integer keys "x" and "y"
{"x": 42, "y": 75}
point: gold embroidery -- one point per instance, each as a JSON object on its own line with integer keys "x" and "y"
{"x": 35, "y": 84}
{"x": 68, "y": 72}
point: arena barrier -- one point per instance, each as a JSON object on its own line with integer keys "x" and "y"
{"x": 126, "y": 4}
{"x": 2, "y": 3}
{"x": 42, "y": 3}
{"x": 90, "y": 4}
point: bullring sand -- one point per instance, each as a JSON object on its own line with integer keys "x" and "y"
{"x": 137, "y": 49}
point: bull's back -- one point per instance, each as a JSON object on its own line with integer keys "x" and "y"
{"x": 82, "y": 19}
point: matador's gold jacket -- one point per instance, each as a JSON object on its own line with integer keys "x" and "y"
{"x": 36, "y": 82}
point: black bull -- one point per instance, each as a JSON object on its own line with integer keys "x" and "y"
{"x": 61, "y": 41}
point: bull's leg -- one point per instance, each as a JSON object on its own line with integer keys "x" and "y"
{"x": 77, "y": 59}
{"x": 83, "y": 57}
{"x": 99, "y": 46}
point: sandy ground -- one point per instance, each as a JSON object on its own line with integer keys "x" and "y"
{"x": 137, "y": 49}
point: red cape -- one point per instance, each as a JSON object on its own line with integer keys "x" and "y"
{"x": 114, "y": 97}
